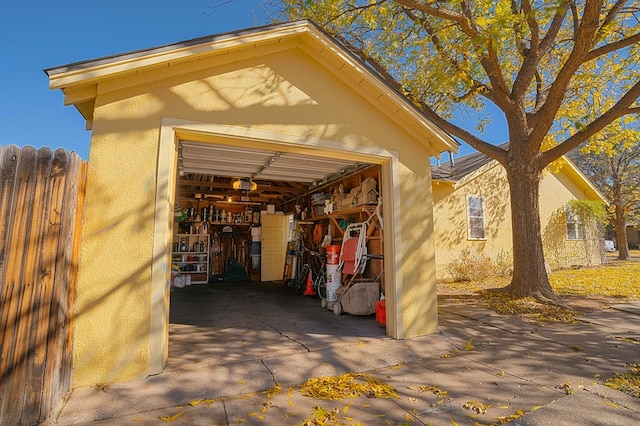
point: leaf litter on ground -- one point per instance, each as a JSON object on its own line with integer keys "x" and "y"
{"x": 614, "y": 280}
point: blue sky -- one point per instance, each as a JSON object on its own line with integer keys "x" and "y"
{"x": 37, "y": 34}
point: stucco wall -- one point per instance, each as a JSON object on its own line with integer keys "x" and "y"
{"x": 419, "y": 299}
{"x": 286, "y": 93}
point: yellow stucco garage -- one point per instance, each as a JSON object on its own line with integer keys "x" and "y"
{"x": 289, "y": 88}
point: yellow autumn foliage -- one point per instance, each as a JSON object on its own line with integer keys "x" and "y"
{"x": 349, "y": 385}
{"x": 613, "y": 279}
{"x": 627, "y": 382}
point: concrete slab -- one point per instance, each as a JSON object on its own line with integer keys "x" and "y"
{"x": 631, "y": 307}
{"x": 201, "y": 413}
{"x": 614, "y": 319}
{"x": 165, "y": 390}
{"x": 439, "y": 392}
{"x": 590, "y": 406}
{"x": 231, "y": 349}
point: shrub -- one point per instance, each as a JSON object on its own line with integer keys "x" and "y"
{"x": 504, "y": 264}
{"x": 474, "y": 267}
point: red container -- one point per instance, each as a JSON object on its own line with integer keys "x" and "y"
{"x": 381, "y": 312}
{"x": 333, "y": 255}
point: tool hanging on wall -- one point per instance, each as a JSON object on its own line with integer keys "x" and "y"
{"x": 317, "y": 233}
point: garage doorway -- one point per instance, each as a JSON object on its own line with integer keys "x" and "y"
{"x": 206, "y": 167}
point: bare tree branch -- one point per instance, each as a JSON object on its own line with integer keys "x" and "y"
{"x": 612, "y": 47}
{"x": 611, "y": 15}
{"x": 529, "y": 66}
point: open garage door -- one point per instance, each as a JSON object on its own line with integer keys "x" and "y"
{"x": 225, "y": 196}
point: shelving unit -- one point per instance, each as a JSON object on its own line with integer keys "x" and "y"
{"x": 192, "y": 255}
{"x": 331, "y": 222}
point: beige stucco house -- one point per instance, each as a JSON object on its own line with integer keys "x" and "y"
{"x": 472, "y": 213}
{"x": 282, "y": 89}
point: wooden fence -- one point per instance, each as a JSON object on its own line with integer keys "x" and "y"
{"x": 41, "y": 200}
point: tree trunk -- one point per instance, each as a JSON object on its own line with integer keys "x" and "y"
{"x": 620, "y": 225}
{"x": 529, "y": 271}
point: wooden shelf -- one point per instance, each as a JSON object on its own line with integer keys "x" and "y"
{"x": 342, "y": 213}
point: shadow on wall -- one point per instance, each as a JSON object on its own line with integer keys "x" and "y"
{"x": 452, "y": 236}
{"x": 561, "y": 253}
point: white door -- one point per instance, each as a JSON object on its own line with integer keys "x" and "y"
{"x": 273, "y": 247}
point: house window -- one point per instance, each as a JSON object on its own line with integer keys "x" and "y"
{"x": 575, "y": 227}
{"x": 476, "y": 217}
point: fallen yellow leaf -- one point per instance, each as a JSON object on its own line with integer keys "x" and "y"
{"x": 168, "y": 419}
{"x": 469, "y": 346}
{"x": 629, "y": 339}
{"x": 476, "y": 406}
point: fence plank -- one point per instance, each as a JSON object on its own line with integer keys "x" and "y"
{"x": 64, "y": 198}
{"x": 16, "y": 333}
{"x": 73, "y": 227}
{"x": 39, "y": 314}
{"x": 8, "y": 165}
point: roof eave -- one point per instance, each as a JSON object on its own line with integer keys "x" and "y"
{"x": 581, "y": 179}
{"x": 79, "y": 80}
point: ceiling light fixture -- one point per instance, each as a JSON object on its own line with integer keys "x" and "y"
{"x": 245, "y": 185}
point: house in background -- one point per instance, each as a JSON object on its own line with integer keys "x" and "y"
{"x": 472, "y": 213}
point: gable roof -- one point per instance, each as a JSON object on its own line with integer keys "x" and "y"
{"x": 468, "y": 164}
{"x": 461, "y": 167}
{"x": 79, "y": 80}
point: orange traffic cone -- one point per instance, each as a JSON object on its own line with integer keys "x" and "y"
{"x": 309, "y": 291}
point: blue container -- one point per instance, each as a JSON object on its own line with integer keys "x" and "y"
{"x": 255, "y": 247}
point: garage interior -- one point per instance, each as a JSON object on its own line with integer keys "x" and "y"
{"x": 224, "y": 195}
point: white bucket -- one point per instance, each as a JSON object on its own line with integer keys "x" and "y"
{"x": 334, "y": 281}
{"x": 255, "y": 261}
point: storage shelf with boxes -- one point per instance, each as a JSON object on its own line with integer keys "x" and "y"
{"x": 333, "y": 207}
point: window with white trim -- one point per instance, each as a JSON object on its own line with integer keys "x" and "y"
{"x": 575, "y": 227}
{"x": 475, "y": 209}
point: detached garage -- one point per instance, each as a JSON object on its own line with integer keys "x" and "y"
{"x": 263, "y": 120}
